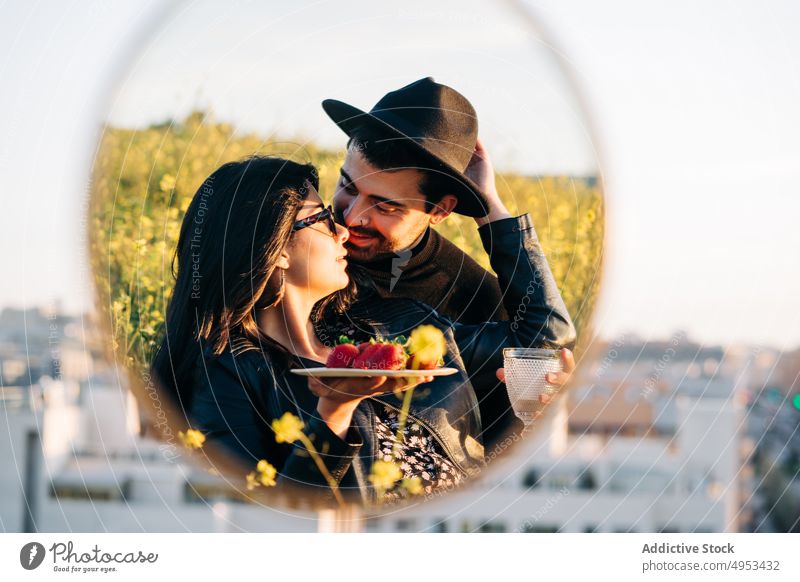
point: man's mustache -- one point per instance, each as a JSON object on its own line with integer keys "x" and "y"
{"x": 364, "y": 232}
{"x": 359, "y": 230}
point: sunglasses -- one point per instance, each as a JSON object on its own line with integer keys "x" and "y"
{"x": 325, "y": 214}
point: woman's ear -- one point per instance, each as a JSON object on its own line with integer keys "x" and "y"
{"x": 283, "y": 260}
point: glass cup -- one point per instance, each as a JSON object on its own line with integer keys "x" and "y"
{"x": 525, "y": 378}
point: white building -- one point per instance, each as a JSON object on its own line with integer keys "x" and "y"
{"x": 649, "y": 440}
{"x": 75, "y": 463}
{"x": 641, "y": 447}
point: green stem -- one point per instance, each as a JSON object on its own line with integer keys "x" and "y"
{"x": 323, "y": 469}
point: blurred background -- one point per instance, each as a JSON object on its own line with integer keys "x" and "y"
{"x": 668, "y": 131}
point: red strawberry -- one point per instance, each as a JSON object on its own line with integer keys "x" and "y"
{"x": 365, "y": 358}
{"x": 389, "y": 356}
{"x": 342, "y": 356}
{"x": 363, "y": 346}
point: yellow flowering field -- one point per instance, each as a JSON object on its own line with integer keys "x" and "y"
{"x": 144, "y": 180}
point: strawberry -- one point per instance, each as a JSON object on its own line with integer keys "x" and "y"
{"x": 342, "y": 356}
{"x": 389, "y": 356}
{"x": 381, "y": 356}
{"x": 364, "y": 360}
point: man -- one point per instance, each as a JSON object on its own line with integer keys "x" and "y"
{"x": 411, "y": 161}
{"x": 392, "y": 189}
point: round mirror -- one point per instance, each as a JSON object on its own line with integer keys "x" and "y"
{"x": 443, "y": 206}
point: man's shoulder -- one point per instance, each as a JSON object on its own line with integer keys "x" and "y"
{"x": 474, "y": 294}
{"x": 449, "y": 257}
{"x": 444, "y": 247}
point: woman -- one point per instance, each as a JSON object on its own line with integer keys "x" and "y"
{"x": 263, "y": 286}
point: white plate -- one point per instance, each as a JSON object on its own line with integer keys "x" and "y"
{"x": 357, "y": 373}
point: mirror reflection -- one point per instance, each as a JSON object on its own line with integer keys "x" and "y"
{"x": 361, "y": 323}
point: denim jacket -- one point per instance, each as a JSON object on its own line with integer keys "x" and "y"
{"x": 239, "y": 393}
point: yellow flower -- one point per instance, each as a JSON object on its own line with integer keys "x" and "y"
{"x": 252, "y": 482}
{"x": 167, "y": 182}
{"x": 192, "y": 438}
{"x": 263, "y": 475}
{"x": 413, "y": 485}
{"x": 385, "y": 474}
{"x": 288, "y": 428}
{"x": 427, "y": 345}
{"x": 266, "y": 473}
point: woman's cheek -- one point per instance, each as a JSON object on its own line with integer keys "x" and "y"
{"x": 325, "y": 260}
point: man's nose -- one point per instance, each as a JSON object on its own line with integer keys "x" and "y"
{"x": 355, "y": 214}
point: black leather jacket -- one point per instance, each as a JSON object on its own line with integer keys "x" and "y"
{"x": 240, "y": 392}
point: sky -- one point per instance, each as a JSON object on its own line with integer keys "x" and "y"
{"x": 267, "y": 67}
{"x": 687, "y": 110}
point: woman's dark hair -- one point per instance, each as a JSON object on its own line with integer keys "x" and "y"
{"x": 394, "y": 154}
{"x": 237, "y": 225}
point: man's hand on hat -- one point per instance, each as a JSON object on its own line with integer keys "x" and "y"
{"x": 481, "y": 171}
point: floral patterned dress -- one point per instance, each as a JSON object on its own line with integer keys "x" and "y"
{"x": 417, "y": 453}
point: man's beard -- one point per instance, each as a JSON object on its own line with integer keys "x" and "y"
{"x": 379, "y": 250}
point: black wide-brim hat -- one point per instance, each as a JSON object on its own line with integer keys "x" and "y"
{"x": 434, "y": 119}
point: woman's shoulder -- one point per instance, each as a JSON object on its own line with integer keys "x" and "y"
{"x": 239, "y": 354}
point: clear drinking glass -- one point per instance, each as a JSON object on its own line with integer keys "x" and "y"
{"x": 525, "y": 378}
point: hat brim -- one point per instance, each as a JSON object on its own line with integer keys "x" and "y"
{"x": 471, "y": 199}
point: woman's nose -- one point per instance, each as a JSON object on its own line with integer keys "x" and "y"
{"x": 342, "y": 233}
